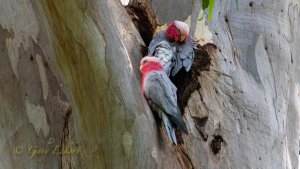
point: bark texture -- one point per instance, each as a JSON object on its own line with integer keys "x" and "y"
{"x": 250, "y": 94}
{"x": 69, "y": 77}
{"x": 69, "y": 71}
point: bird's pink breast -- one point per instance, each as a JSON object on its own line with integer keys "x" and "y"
{"x": 147, "y": 68}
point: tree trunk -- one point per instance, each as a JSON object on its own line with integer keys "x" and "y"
{"x": 70, "y": 94}
{"x": 252, "y": 92}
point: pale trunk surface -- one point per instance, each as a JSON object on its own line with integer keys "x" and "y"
{"x": 252, "y": 92}
{"x": 69, "y": 76}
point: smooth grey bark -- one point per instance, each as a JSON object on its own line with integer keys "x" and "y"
{"x": 250, "y": 96}
{"x": 251, "y": 93}
{"x": 70, "y": 76}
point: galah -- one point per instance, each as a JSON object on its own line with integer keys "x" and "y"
{"x": 174, "y": 47}
{"x": 160, "y": 94}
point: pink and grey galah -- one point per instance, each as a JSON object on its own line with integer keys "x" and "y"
{"x": 160, "y": 94}
{"x": 174, "y": 47}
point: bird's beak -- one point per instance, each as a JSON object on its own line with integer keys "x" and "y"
{"x": 182, "y": 37}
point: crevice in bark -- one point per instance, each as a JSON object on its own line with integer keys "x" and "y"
{"x": 251, "y": 4}
{"x": 6, "y": 33}
{"x": 182, "y": 155}
{"x": 65, "y": 131}
{"x": 31, "y": 58}
{"x": 144, "y": 50}
{"x": 187, "y": 82}
{"x": 201, "y": 99}
{"x": 68, "y": 110}
{"x": 216, "y": 144}
{"x": 200, "y": 124}
{"x": 143, "y": 18}
{"x": 183, "y": 158}
{"x": 226, "y": 18}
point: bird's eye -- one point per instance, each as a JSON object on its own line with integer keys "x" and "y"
{"x": 145, "y": 61}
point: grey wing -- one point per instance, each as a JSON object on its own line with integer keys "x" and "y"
{"x": 166, "y": 53}
{"x": 160, "y": 36}
{"x": 184, "y": 55}
{"x": 162, "y": 92}
{"x": 161, "y": 48}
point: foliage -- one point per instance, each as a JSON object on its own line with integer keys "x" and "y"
{"x": 209, "y": 4}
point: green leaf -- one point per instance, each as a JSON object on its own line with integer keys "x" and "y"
{"x": 210, "y": 9}
{"x": 205, "y": 4}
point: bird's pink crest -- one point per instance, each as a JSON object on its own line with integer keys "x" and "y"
{"x": 173, "y": 33}
{"x": 178, "y": 31}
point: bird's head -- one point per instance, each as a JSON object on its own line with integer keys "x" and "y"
{"x": 178, "y": 31}
{"x": 150, "y": 63}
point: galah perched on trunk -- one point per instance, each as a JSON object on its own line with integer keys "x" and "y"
{"x": 174, "y": 47}
{"x": 161, "y": 96}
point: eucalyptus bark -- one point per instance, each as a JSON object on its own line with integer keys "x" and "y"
{"x": 251, "y": 93}
{"x": 69, "y": 77}
{"x": 69, "y": 74}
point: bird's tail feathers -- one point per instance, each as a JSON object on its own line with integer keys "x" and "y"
{"x": 169, "y": 128}
{"x": 180, "y": 123}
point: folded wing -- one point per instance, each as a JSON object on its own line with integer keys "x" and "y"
{"x": 162, "y": 93}
{"x": 174, "y": 55}
{"x": 184, "y": 55}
